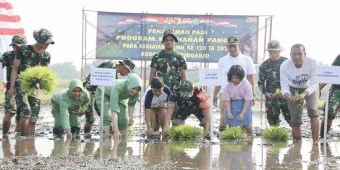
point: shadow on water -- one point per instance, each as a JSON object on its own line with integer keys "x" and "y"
{"x": 164, "y": 154}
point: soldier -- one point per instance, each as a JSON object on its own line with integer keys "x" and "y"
{"x": 168, "y": 63}
{"x": 333, "y": 101}
{"x": 269, "y": 84}
{"x": 29, "y": 56}
{"x": 7, "y": 61}
{"x": 123, "y": 68}
{"x": 186, "y": 100}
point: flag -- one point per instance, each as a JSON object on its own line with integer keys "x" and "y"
{"x": 10, "y": 25}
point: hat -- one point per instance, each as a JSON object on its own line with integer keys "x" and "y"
{"x": 18, "y": 40}
{"x": 167, "y": 33}
{"x": 128, "y": 63}
{"x": 232, "y": 40}
{"x": 185, "y": 88}
{"x": 156, "y": 83}
{"x": 43, "y": 36}
{"x": 274, "y": 45}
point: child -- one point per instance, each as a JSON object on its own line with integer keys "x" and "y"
{"x": 237, "y": 97}
{"x": 67, "y": 105}
{"x": 155, "y": 105}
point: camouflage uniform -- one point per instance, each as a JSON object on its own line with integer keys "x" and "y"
{"x": 169, "y": 65}
{"x": 333, "y": 102}
{"x": 29, "y": 58}
{"x": 7, "y": 61}
{"x": 183, "y": 107}
{"x": 269, "y": 81}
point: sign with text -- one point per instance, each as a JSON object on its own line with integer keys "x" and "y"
{"x": 211, "y": 77}
{"x": 328, "y": 74}
{"x": 202, "y": 38}
{"x": 103, "y": 76}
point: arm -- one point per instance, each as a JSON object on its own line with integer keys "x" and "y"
{"x": 227, "y": 109}
{"x": 250, "y": 78}
{"x": 16, "y": 64}
{"x": 115, "y": 128}
{"x": 244, "y": 110}
{"x": 148, "y": 122}
{"x": 183, "y": 74}
{"x": 65, "y": 118}
{"x": 284, "y": 80}
{"x": 216, "y": 90}
{"x": 152, "y": 74}
{"x": 131, "y": 110}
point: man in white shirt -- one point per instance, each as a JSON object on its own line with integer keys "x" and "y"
{"x": 298, "y": 84}
{"x": 234, "y": 57}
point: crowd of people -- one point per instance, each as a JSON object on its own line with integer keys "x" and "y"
{"x": 286, "y": 84}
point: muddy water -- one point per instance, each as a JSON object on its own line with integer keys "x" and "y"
{"x": 160, "y": 153}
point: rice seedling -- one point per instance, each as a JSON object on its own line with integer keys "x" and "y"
{"x": 185, "y": 132}
{"x": 275, "y": 133}
{"x": 233, "y": 133}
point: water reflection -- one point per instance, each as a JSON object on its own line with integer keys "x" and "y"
{"x": 248, "y": 154}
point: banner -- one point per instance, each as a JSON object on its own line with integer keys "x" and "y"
{"x": 202, "y": 38}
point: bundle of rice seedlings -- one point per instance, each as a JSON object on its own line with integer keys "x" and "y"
{"x": 39, "y": 77}
{"x": 275, "y": 133}
{"x": 233, "y": 133}
{"x": 185, "y": 132}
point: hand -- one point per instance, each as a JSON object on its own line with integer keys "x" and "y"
{"x": 10, "y": 92}
{"x": 68, "y": 134}
{"x": 131, "y": 121}
{"x": 289, "y": 98}
{"x": 229, "y": 115}
{"x": 215, "y": 101}
{"x": 149, "y": 131}
{"x": 269, "y": 95}
{"x": 240, "y": 117}
{"x": 117, "y": 134}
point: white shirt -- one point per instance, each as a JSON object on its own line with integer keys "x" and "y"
{"x": 304, "y": 77}
{"x": 246, "y": 62}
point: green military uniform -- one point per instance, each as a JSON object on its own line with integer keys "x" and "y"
{"x": 7, "y": 61}
{"x": 29, "y": 58}
{"x": 169, "y": 65}
{"x": 65, "y": 108}
{"x": 333, "y": 102}
{"x": 269, "y": 81}
{"x": 117, "y": 98}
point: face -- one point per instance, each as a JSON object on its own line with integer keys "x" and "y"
{"x": 169, "y": 42}
{"x": 298, "y": 54}
{"x": 157, "y": 92}
{"x": 122, "y": 70}
{"x": 235, "y": 80}
{"x": 234, "y": 49}
{"x": 76, "y": 92}
{"x": 274, "y": 54}
{"x": 133, "y": 91}
{"x": 40, "y": 47}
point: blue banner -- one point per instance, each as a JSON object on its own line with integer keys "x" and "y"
{"x": 202, "y": 38}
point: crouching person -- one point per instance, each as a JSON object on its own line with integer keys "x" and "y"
{"x": 124, "y": 93}
{"x": 67, "y": 105}
{"x": 155, "y": 105}
{"x": 186, "y": 100}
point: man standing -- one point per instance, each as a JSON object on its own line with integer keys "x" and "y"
{"x": 234, "y": 57}
{"x": 298, "y": 84}
{"x": 333, "y": 101}
{"x": 29, "y": 56}
{"x": 7, "y": 61}
{"x": 169, "y": 63}
{"x": 269, "y": 84}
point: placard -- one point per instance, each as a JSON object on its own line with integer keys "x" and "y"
{"x": 211, "y": 77}
{"x": 102, "y": 76}
{"x": 328, "y": 74}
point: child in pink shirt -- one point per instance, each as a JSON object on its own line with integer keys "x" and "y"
{"x": 237, "y": 97}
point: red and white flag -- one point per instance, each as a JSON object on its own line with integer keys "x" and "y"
{"x": 10, "y": 25}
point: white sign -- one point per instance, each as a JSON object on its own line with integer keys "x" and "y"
{"x": 103, "y": 76}
{"x": 328, "y": 74}
{"x": 211, "y": 77}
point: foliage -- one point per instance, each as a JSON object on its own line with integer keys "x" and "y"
{"x": 275, "y": 133}
{"x": 184, "y": 132}
{"x": 233, "y": 133}
{"x": 38, "y": 77}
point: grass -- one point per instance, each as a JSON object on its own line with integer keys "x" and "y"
{"x": 185, "y": 132}
{"x": 233, "y": 133}
{"x": 275, "y": 133}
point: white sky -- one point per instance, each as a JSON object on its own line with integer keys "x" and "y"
{"x": 313, "y": 23}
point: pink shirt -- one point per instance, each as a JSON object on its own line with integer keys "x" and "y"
{"x": 240, "y": 91}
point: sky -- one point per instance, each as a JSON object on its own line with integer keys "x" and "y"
{"x": 313, "y": 23}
